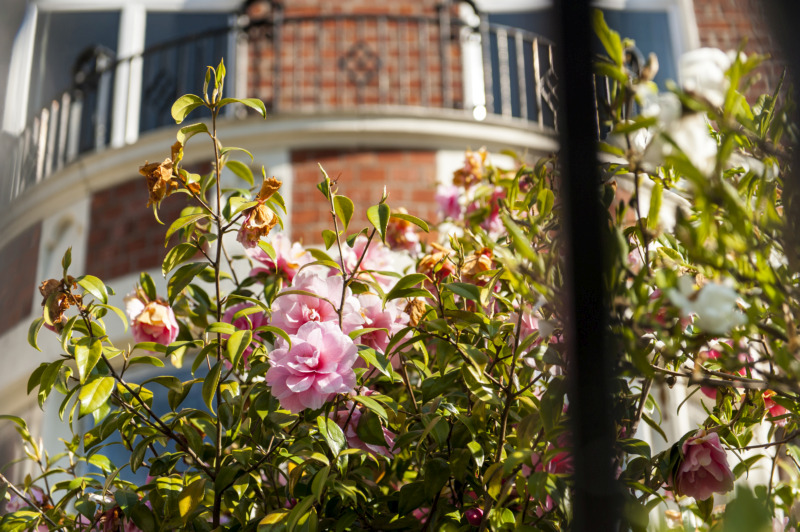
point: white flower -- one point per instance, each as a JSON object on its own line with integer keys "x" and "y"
{"x": 702, "y": 72}
{"x": 714, "y": 305}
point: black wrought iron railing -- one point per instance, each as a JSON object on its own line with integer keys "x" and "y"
{"x": 303, "y": 64}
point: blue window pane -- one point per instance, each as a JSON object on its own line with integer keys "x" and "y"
{"x": 117, "y": 453}
{"x": 178, "y": 48}
{"x": 651, "y": 32}
{"x": 71, "y": 51}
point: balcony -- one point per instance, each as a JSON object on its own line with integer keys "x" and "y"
{"x": 301, "y": 66}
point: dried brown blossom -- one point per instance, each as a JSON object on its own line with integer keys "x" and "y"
{"x": 159, "y": 180}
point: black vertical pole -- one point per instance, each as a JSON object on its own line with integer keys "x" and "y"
{"x": 783, "y": 16}
{"x": 595, "y": 504}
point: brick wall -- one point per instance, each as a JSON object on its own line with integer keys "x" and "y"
{"x": 18, "y": 262}
{"x": 409, "y": 177}
{"x": 343, "y": 53}
{"x": 124, "y": 237}
{"x": 725, "y": 23}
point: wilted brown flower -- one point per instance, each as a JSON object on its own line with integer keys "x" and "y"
{"x": 473, "y": 169}
{"x": 56, "y": 299}
{"x": 415, "y": 310}
{"x": 268, "y": 188}
{"x": 159, "y": 180}
{"x": 259, "y": 219}
{"x": 428, "y": 263}
{"x": 476, "y": 264}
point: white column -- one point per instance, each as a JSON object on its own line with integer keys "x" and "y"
{"x": 19, "y": 74}
{"x": 128, "y": 81}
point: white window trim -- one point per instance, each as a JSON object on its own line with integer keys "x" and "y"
{"x": 19, "y": 74}
{"x": 130, "y": 42}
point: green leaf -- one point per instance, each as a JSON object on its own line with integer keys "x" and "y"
{"x": 522, "y": 243}
{"x": 36, "y": 377}
{"x": 210, "y": 385}
{"x": 378, "y": 216}
{"x": 241, "y": 170}
{"x": 412, "y": 495}
{"x": 332, "y": 434}
{"x": 268, "y": 249}
{"x": 182, "y": 222}
{"x": 437, "y": 473}
{"x": 344, "y": 208}
{"x": 221, "y": 327}
{"x": 87, "y": 353}
{"x": 182, "y": 277}
{"x": 187, "y": 132}
{"x": 148, "y": 285}
{"x": 544, "y": 201}
{"x": 609, "y": 38}
{"x": 94, "y": 286}
{"x": 329, "y": 237}
{"x": 237, "y": 345}
{"x": 655, "y": 206}
{"x": 146, "y": 359}
{"x": 369, "y": 429}
{"x": 180, "y": 253}
{"x": 639, "y": 122}
{"x": 66, "y": 261}
{"x": 477, "y": 452}
{"x": 252, "y": 103}
{"x": 33, "y": 332}
{"x": 318, "y": 484}
{"x": 190, "y": 498}
{"x": 465, "y": 290}
{"x": 228, "y": 149}
{"x": 95, "y": 393}
{"x": 610, "y": 70}
{"x": 185, "y": 105}
{"x": 632, "y": 446}
{"x": 422, "y": 224}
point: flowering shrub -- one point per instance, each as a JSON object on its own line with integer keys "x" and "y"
{"x": 343, "y": 392}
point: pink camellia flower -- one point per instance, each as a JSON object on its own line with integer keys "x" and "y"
{"x": 392, "y": 318}
{"x": 402, "y": 234}
{"x": 774, "y": 409}
{"x": 317, "y": 366}
{"x": 448, "y": 197}
{"x": 36, "y": 495}
{"x": 244, "y": 323}
{"x": 474, "y": 516}
{"x": 289, "y": 258}
{"x": 704, "y": 469}
{"x": 377, "y": 257}
{"x": 341, "y": 417}
{"x": 292, "y": 311}
{"x": 153, "y": 321}
{"x": 492, "y": 223}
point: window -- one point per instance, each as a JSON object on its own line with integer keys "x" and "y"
{"x": 76, "y": 51}
{"x": 178, "y": 47}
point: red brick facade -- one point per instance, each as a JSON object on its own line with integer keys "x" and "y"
{"x": 726, "y": 23}
{"x": 409, "y": 178}
{"x": 124, "y": 237}
{"x": 18, "y": 263}
{"x": 338, "y": 54}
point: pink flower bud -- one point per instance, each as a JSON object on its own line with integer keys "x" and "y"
{"x": 474, "y": 516}
{"x": 152, "y": 322}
